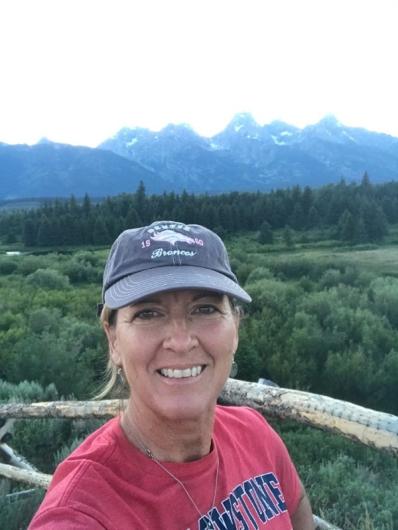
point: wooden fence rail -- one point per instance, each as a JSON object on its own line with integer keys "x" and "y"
{"x": 372, "y": 428}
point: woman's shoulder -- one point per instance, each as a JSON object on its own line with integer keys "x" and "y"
{"x": 93, "y": 453}
{"x": 78, "y": 481}
{"x": 98, "y": 443}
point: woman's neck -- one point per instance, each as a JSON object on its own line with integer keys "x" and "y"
{"x": 168, "y": 440}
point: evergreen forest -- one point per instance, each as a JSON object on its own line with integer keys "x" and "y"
{"x": 352, "y": 213}
{"x": 321, "y": 267}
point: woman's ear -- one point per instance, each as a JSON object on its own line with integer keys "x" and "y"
{"x": 110, "y": 331}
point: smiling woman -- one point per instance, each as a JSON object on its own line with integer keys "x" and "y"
{"x": 171, "y": 318}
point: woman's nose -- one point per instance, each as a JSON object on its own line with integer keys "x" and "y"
{"x": 180, "y": 335}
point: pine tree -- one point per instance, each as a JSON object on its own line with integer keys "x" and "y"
{"x": 379, "y": 226}
{"x": 44, "y": 235}
{"x": 29, "y": 235}
{"x": 307, "y": 200}
{"x": 73, "y": 206}
{"x": 313, "y": 219}
{"x": 132, "y": 218}
{"x": 346, "y": 228}
{"x": 86, "y": 205}
{"x": 366, "y": 186}
{"x": 361, "y": 235}
{"x": 265, "y": 236}
{"x": 288, "y": 237}
{"x": 100, "y": 234}
{"x": 297, "y": 219}
{"x": 139, "y": 202}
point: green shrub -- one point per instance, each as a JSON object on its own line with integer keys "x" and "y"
{"x": 44, "y": 319}
{"x": 8, "y": 266}
{"x": 350, "y": 485}
{"x": 48, "y": 279}
{"x": 27, "y": 391}
{"x": 16, "y": 514}
{"x": 258, "y": 274}
{"x": 29, "y": 264}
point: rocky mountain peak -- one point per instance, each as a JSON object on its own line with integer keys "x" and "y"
{"x": 243, "y": 124}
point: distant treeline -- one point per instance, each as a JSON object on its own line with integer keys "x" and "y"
{"x": 355, "y": 213}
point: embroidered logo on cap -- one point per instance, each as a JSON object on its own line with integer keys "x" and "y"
{"x": 172, "y": 237}
{"x": 167, "y": 233}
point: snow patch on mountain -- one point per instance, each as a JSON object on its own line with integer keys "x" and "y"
{"x": 277, "y": 141}
{"x": 349, "y": 137}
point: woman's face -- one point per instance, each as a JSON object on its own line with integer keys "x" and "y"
{"x": 176, "y": 350}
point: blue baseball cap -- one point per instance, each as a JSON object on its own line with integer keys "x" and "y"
{"x": 166, "y": 256}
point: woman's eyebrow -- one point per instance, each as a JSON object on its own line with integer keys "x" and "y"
{"x": 145, "y": 301}
{"x": 208, "y": 294}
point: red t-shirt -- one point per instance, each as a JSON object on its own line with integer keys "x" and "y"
{"x": 106, "y": 483}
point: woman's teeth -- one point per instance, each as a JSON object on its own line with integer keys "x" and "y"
{"x": 178, "y": 374}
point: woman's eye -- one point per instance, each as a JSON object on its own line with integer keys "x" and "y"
{"x": 207, "y": 310}
{"x": 145, "y": 314}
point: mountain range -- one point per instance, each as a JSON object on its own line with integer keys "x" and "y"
{"x": 245, "y": 156}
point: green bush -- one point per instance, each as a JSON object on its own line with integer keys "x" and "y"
{"x": 48, "y": 279}
{"x": 384, "y": 294}
{"x": 83, "y": 267}
{"x": 258, "y": 274}
{"x": 17, "y": 513}
{"x": 350, "y": 485}
{"x": 29, "y": 264}
{"x": 27, "y": 391}
{"x": 44, "y": 319}
{"x": 8, "y": 266}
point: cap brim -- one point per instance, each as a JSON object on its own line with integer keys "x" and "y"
{"x": 132, "y": 288}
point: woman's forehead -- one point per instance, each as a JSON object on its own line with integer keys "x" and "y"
{"x": 177, "y": 296}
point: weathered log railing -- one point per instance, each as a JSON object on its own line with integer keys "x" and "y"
{"x": 375, "y": 429}
{"x": 372, "y": 428}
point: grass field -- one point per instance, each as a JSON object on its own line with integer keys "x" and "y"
{"x": 381, "y": 259}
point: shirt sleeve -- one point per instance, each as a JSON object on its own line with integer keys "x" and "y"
{"x": 62, "y": 518}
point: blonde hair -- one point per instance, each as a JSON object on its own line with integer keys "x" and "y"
{"x": 113, "y": 382}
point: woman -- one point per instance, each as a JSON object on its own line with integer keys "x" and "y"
{"x": 174, "y": 459}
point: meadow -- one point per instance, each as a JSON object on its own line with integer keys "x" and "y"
{"x": 324, "y": 318}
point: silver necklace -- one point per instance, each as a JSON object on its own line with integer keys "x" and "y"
{"x": 149, "y": 453}
{"x": 152, "y": 457}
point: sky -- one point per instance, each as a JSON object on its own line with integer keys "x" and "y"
{"x": 77, "y": 71}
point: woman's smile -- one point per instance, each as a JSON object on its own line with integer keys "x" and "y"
{"x": 182, "y": 373}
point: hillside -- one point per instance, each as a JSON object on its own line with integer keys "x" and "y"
{"x": 58, "y": 170}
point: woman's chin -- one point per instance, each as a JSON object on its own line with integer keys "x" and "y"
{"x": 189, "y": 410}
